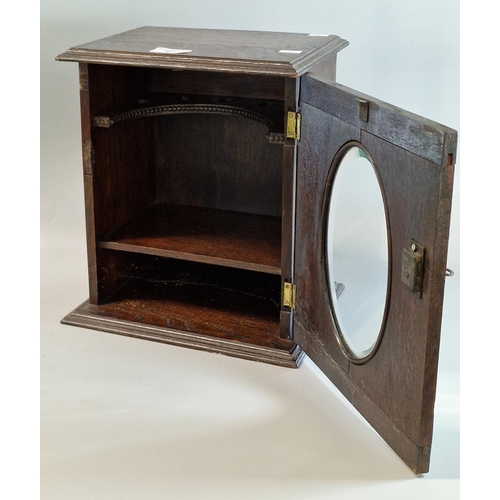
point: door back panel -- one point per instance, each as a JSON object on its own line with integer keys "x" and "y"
{"x": 394, "y": 389}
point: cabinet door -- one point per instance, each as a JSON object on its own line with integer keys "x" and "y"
{"x": 381, "y": 350}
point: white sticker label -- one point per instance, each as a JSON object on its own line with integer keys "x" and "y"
{"x": 284, "y": 51}
{"x": 166, "y": 50}
{"x": 316, "y": 34}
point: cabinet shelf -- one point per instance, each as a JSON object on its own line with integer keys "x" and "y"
{"x": 204, "y": 307}
{"x": 206, "y": 235}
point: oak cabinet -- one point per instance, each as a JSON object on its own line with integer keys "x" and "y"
{"x": 209, "y": 158}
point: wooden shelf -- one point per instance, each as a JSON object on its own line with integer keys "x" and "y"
{"x": 206, "y": 235}
{"x": 194, "y": 297}
{"x": 229, "y": 311}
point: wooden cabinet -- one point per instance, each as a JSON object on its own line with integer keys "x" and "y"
{"x": 208, "y": 158}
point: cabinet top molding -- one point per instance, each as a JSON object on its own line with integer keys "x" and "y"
{"x": 252, "y": 52}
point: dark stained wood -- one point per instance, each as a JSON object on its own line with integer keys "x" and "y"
{"x": 418, "y": 135}
{"x": 323, "y": 136}
{"x": 217, "y": 84}
{"x": 124, "y": 173}
{"x": 178, "y": 109}
{"x": 91, "y": 316}
{"x": 266, "y": 111}
{"x": 111, "y": 86}
{"x": 88, "y": 181}
{"x": 233, "y": 239}
{"x": 292, "y": 88}
{"x": 88, "y": 187}
{"x": 415, "y": 456}
{"x": 112, "y": 267}
{"x": 408, "y": 355}
{"x": 208, "y": 299}
{"x": 123, "y": 169}
{"x": 218, "y": 161}
{"x": 135, "y": 164}
{"x": 195, "y": 221}
{"x": 211, "y": 50}
{"x": 395, "y": 389}
{"x": 201, "y": 306}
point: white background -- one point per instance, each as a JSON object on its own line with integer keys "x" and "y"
{"x": 123, "y": 418}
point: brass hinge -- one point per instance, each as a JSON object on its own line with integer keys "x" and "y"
{"x": 289, "y": 295}
{"x": 88, "y": 157}
{"x": 293, "y": 124}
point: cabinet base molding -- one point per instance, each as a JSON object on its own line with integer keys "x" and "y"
{"x": 284, "y": 353}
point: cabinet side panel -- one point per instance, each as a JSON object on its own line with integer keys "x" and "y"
{"x": 124, "y": 175}
{"x": 87, "y": 152}
{"x": 123, "y": 185}
{"x": 122, "y": 180}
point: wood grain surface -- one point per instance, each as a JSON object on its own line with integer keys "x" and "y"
{"x": 270, "y": 53}
{"x": 233, "y": 239}
{"x": 395, "y": 389}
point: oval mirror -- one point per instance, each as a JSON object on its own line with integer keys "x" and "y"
{"x": 357, "y": 252}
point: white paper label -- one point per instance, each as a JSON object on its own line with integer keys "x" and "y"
{"x": 166, "y": 50}
{"x": 284, "y": 51}
{"x": 316, "y": 34}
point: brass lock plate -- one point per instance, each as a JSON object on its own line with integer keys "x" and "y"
{"x": 412, "y": 272}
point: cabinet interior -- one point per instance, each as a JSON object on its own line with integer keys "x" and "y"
{"x": 187, "y": 195}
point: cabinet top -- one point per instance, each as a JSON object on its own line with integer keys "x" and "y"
{"x": 256, "y": 52}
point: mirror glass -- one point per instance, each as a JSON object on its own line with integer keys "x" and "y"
{"x": 357, "y": 252}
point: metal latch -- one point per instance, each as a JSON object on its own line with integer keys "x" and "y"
{"x": 293, "y": 123}
{"x": 363, "y": 109}
{"x": 412, "y": 272}
{"x": 289, "y": 294}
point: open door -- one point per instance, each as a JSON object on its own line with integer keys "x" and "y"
{"x": 386, "y": 363}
